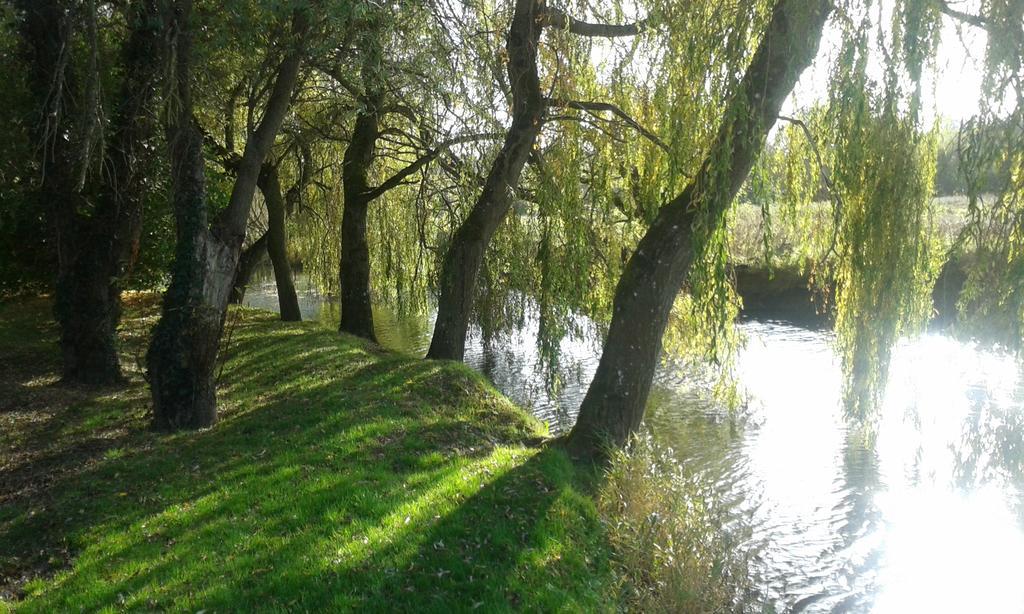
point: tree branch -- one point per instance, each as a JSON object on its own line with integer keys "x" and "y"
{"x": 598, "y": 107}
{"x": 229, "y": 226}
{"x": 974, "y": 20}
{"x": 396, "y": 179}
{"x": 229, "y": 160}
{"x": 335, "y": 73}
{"x": 557, "y": 18}
{"x": 825, "y": 177}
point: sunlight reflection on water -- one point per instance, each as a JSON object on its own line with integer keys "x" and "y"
{"x": 925, "y": 516}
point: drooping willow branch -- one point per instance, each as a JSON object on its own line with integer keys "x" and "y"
{"x": 826, "y": 177}
{"x": 598, "y": 107}
{"x": 558, "y": 19}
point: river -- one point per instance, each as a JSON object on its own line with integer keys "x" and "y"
{"x": 925, "y": 515}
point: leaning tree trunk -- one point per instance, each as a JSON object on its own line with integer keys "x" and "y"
{"x": 277, "y": 243}
{"x": 614, "y": 405}
{"x": 250, "y": 260}
{"x": 354, "y": 276}
{"x": 183, "y": 352}
{"x": 465, "y": 255}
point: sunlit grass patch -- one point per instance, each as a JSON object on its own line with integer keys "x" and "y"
{"x": 340, "y": 477}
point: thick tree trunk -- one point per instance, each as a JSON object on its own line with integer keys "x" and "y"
{"x": 82, "y": 307}
{"x": 183, "y": 352}
{"x": 250, "y": 260}
{"x": 87, "y": 307}
{"x": 97, "y": 251}
{"x": 354, "y": 276}
{"x": 277, "y": 243}
{"x": 614, "y": 405}
{"x": 108, "y": 249}
{"x": 356, "y": 300}
{"x": 465, "y": 255}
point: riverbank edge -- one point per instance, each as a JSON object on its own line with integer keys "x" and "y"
{"x": 407, "y": 483}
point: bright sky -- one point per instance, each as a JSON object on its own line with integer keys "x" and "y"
{"x": 951, "y": 90}
{"x": 959, "y": 71}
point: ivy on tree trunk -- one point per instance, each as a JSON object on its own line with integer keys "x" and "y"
{"x": 183, "y": 351}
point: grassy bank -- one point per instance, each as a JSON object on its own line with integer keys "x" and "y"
{"x": 340, "y": 477}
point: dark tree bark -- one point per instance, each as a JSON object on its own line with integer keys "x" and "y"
{"x": 277, "y": 243}
{"x": 89, "y": 290}
{"x": 250, "y": 260}
{"x": 354, "y": 270}
{"x": 465, "y": 255}
{"x": 45, "y": 30}
{"x": 183, "y": 351}
{"x": 97, "y": 251}
{"x": 354, "y": 276}
{"x": 614, "y": 405}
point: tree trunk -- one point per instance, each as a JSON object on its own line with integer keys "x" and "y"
{"x": 87, "y": 307}
{"x": 97, "y": 251}
{"x": 354, "y": 276}
{"x": 81, "y": 307}
{"x": 465, "y": 255}
{"x": 614, "y": 405}
{"x": 183, "y": 352}
{"x": 277, "y": 243}
{"x": 356, "y": 301}
{"x": 250, "y": 260}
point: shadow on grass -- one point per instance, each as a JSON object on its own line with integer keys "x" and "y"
{"x": 340, "y": 477}
{"x": 51, "y": 430}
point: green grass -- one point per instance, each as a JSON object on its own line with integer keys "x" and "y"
{"x": 803, "y": 236}
{"x": 341, "y": 477}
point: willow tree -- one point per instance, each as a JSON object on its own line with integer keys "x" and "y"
{"x": 992, "y": 145}
{"x": 883, "y": 157}
{"x": 883, "y": 165}
{"x": 465, "y": 254}
{"x": 878, "y": 164}
{"x": 415, "y": 140}
{"x": 98, "y": 211}
{"x": 183, "y": 352}
{"x": 614, "y": 405}
{"x": 279, "y": 204}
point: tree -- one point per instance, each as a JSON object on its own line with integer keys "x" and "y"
{"x": 269, "y": 183}
{"x": 183, "y": 352}
{"x": 97, "y": 230}
{"x": 273, "y": 241}
{"x": 615, "y": 402}
{"x": 465, "y": 255}
{"x": 354, "y": 266}
{"x": 991, "y": 161}
{"x": 373, "y": 121}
